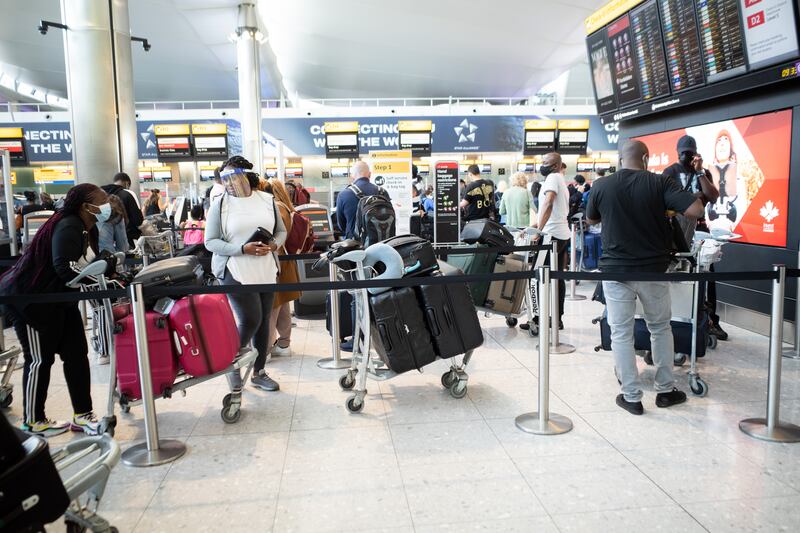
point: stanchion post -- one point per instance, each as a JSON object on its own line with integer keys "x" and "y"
{"x": 770, "y": 428}
{"x": 573, "y": 261}
{"x": 335, "y": 362}
{"x": 10, "y": 221}
{"x": 556, "y": 346}
{"x": 152, "y": 451}
{"x": 543, "y": 422}
{"x": 794, "y": 352}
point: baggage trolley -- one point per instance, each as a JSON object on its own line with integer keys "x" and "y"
{"x": 364, "y": 364}
{"x": 155, "y": 247}
{"x": 105, "y": 310}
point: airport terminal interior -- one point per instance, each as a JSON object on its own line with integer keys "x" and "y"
{"x": 309, "y": 266}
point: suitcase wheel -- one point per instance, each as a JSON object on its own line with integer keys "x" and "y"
{"x": 6, "y": 401}
{"x": 459, "y": 389}
{"x": 511, "y": 321}
{"x": 680, "y": 359}
{"x": 231, "y": 408}
{"x": 698, "y": 386}
{"x": 598, "y": 348}
{"x": 712, "y": 342}
{"x": 347, "y": 381}
{"x": 533, "y": 330}
{"x": 448, "y": 378}
{"x": 354, "y": 404}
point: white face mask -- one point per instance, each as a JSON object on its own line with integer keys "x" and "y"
{"x": 105, "y": 212}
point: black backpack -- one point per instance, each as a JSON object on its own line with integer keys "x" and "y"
{"x": 375, "y": 217}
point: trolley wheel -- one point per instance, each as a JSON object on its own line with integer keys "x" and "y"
{"x": 109, "y": 425}
{"x": 347, "y": 382}
{"x": 598, "y": 348}
{"x": 6, "y": 402}
{"x": 73, "y": 527}
{"x": 458, "y": 389}
{"x": 712, "y": 342}
{"x": 534, "y": 330}
{"x": 511, "y": 321}
{"x": 698, "y": 386}
{"x": 595, "y": 321}
{"x": 230, "y": 413}
{"x": 353, "y": 405}
{"x": 448, "y": 378}
{"x": 96, "y": 345}
{"x": 680, "y": 359}
{"x": 648, "y": 357}
{"x": 125, "y": 407}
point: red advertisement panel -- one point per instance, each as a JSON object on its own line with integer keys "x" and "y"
{"x": 749, "y": 162}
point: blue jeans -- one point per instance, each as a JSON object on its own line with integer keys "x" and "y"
{"x": 657, "y": 307}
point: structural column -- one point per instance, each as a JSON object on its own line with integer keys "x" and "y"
{"x": 97, "y": 49}
{"x": 249, "y": 65}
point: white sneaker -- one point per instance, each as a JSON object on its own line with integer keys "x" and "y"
{"x": 87, "y": 422}
{"x": 280, "y": 351}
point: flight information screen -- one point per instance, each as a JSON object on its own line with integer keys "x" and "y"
{"x": 682, "y": 44}
{"x": 721, "y": 39}
{"x": 623, "y": 64}
{"x": 649, "y": 47}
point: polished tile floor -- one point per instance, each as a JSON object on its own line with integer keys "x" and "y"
{"x": 417, "y": 460}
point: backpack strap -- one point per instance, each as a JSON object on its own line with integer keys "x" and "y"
{"x": 359, "y": 194}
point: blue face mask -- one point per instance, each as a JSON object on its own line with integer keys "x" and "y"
{"x": 105, "y": 212}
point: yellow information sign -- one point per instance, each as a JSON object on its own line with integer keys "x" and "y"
{"x": 538, "y": 124}
{"x": 573, "y": 124}
{"x": 13, "y": 178}
{"x": 172, "y": 129}
{"x": 608, "y": 13}
{"x": 209, "y": 129}
{"x": 54, "y": 175}
{"x": 341, "y": 127}
{"x": 10, "y": 133}
{"x": 415, "y": 125}
{"x": 396, "y": 154}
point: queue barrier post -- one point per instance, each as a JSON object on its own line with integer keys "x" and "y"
{"x": 771, "y": 428}
{"x": 794, "y": 352}
{"x": 543, "y": 422}
{"x": 152, "y": 451}
{"x": 573, "y": 265}
{"x": 556, "y": 346}
{"x": 335, "y": 362}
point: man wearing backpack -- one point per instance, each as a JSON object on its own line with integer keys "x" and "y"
{"x": 363, "y": 210}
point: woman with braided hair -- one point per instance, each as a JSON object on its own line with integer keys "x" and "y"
{"x": 53, "y": 258}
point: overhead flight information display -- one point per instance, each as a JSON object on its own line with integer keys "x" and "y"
{"x": 769, "y": 30}
{"x": 623, "y": 64}
{"x": 682, "y": 45}
{"x": 721, "y": 39}
{"x": 649, "y": 47}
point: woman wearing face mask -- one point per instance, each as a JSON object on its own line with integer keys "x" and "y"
{"x": 231, "y": 223}
{"x": 65, "y": 242}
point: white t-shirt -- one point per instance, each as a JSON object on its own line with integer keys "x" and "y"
{"x": 241, "y": 217}
{"x": 557, "y": 225}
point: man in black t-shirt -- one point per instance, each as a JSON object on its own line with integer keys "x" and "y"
{"x": 478, "y": 198}
{"x": 632, "y": 204}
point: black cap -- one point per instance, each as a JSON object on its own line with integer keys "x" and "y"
{"x": 687, "y": 144}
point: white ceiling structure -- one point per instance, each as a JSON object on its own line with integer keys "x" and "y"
{"x": 324, "y": 48}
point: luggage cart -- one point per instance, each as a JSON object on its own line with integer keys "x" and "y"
{"x": 364, "y": 364}
{"x": 155, "y": 247}
{"x": 108, "y": 313}
{"x": 532, "y": 260}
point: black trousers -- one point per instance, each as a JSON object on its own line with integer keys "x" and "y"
{"x": 62, "y": 334}
{"x": 252, "y": 312}
{"x": 561, "y": 261}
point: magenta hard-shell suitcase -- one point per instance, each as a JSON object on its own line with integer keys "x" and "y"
{"x": 205, "y": 331}
{"x": 163, "y": 364}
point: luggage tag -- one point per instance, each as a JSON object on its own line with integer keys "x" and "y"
{"x": 164, "y": 305}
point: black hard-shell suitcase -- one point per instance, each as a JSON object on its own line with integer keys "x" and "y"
{"x": 174, "y": 271}
{"x": 472, "y": 263}
{"x": 681, "y": 335}
{"x": 486, "y": 231}
{"x": 400, "y": 335}
{"x": 450, "y": 314}
{"x": 417, "y": 254}
{"x": 346, "y": 312}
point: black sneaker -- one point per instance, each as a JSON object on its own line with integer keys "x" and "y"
{"x": 718, "y": 332}
{"x": 634, "y": 408}
{"x": 673, "y": 397}
{"x": 261, "y": 380}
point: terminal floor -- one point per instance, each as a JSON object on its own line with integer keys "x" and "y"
{"x": 417, "y": 460}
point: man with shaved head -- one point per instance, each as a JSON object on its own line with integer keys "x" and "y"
{"x": 347, "y": 201}
{"x": 632, "y": 205}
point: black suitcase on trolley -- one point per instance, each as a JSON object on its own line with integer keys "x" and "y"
{"x": 400, "y": 335}
{"x": 417, "y": 254}
{"x": 486, "y": 231}
{"x": 450, "y": 314}
{"x": 346, "y": 312}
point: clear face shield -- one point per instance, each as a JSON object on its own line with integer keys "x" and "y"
{"x": 235, "y": 182}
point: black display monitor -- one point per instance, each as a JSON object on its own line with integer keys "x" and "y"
{"x": 624, "y": 69}
{"x": 211, "y": 146}
{"x": 600, "y": 64}
{"x": 419, "y": 142}
{"x": 649, "y": 48}
{"x": 721, "y": 39}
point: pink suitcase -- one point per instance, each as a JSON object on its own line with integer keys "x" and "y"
{"x": 163, "y": 364}
{"x": 205, "y": 331}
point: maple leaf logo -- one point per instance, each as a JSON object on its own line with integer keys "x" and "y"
{"x": 769, "y": 211}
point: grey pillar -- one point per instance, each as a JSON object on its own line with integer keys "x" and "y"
{"x": 97, "y": 50}
{"x": 249, "y": 65}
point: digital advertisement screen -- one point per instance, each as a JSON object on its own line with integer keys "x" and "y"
{"x": 748, "y": 159}
{"x": 211, "y": 146}
{"x": 601, "y": 71}
{"x": 174, "y": 147}
{"x": 682, "y": 45}
{"x": 721, "y": 38}
{"x": 623, "y": 64}
{"x": 769, "y": 31}
{"x": 649, "y": 47}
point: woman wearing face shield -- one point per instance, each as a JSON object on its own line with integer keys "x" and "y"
{"x": 232, "y": 220}
{"x": 66, "y": 242}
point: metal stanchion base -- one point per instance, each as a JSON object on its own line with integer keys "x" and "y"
{"x": 561, "y": 348}
{"x": 334, "y": 364}
{"x": 757, "y": 428}
{"x": 556, "y": 424}
{"x": 792, "y": 353}
{"x": 575, "y": 298}
{"x": 168, "y": 450}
